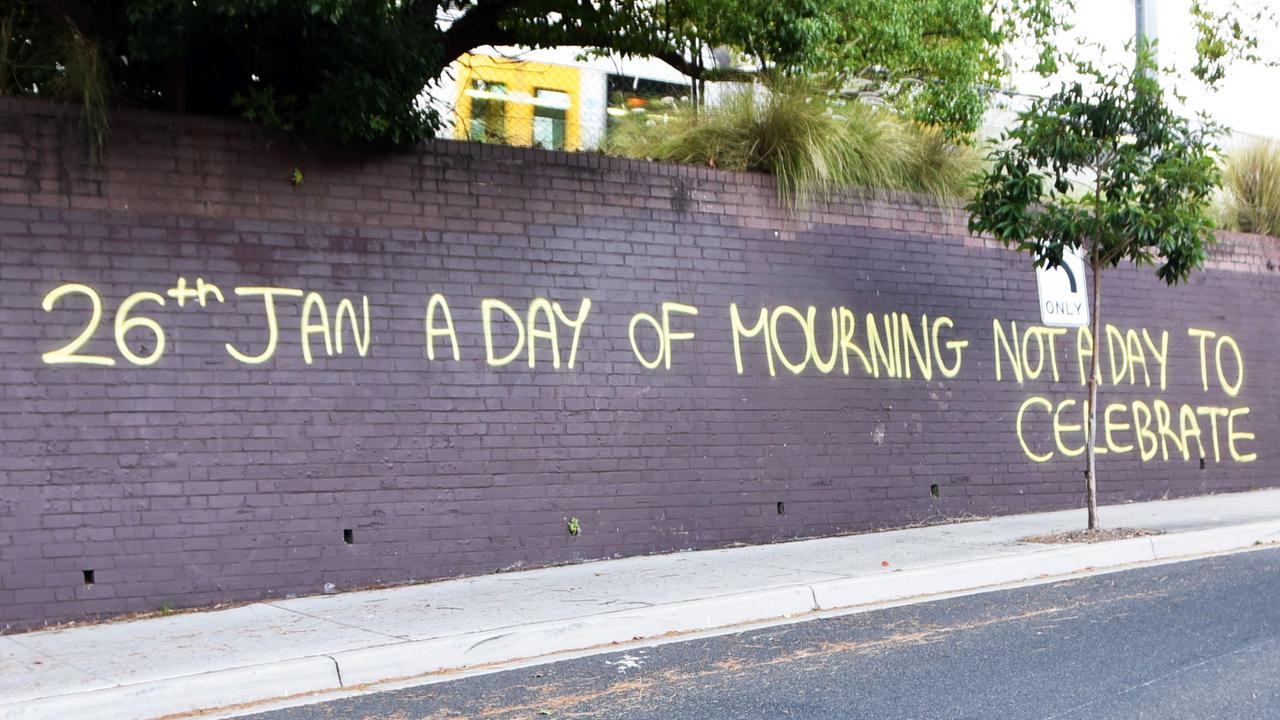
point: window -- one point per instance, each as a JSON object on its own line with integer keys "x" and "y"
{"x": 550, "y": 108}
{"x": 488, "y": 111}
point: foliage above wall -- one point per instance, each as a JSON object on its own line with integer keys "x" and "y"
{"x": 812, "y": 142}
{"x": 1251, "y": 185}
{"x": 352, "y": 70}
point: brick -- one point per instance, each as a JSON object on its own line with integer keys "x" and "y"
{"x": 204, "y": 479}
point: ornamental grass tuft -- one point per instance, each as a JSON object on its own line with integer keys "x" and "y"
{"x": 812, "y": 142}
{"x": 1251, "y": 189}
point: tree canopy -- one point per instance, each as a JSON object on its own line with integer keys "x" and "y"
{"x": 351, "y": 70}
{"x": 1104, "y": 165}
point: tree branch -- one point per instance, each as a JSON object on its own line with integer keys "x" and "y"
{"x": 481, "y": 25}
{"x": 477, "y": 27}
{"x": 691, "y": 69}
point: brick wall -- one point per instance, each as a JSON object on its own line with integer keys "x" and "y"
{"x": 185, "y": 476}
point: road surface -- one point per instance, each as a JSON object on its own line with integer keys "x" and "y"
{"x": 1192, "y": 640}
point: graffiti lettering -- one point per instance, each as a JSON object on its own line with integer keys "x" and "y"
{"x": 1204, "y": 336}
{"x": 663, "y": 332}
{"x": 893, "y": 348}
{"x": 1018, "y": 350}
{"x": 541, "y": 310}
{"x": 1135, "y": 426}
{"x": 268, "y": 295}
{"x": 124, "y": 324}
{"x": 200, "y": 293}
{"x": 438, "y": 304}
{"x": 314, "y": 320}
{"x": 345, "y": 314}
{"x": 890, "y": 345}
{"x": 1126, "y": 353}
{"x": 69, "y": 353}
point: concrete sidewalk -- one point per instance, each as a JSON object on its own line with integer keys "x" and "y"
{"x": 155, "y": 667}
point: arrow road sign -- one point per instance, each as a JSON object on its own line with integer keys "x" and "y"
{"x": 1064, "y": 301}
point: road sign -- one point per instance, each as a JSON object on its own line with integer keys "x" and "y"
{"x": 1064, "y": 302}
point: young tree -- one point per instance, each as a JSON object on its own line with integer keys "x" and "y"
{"x": 1104, "y": 166}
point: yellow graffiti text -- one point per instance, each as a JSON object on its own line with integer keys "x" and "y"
{"x": 1126, "y": 354}
{"x": 70, "y": 353}
{"x": 662, "y": 331}
{"x": 124, "y": 324}
{"x": 1037, "y": 341}
{"x": 1129, "y": 354}
{"x": 893, "y": 348}
{"x": 1230, "y": 387}
{"x": 268, "y": 295}
{"x": 200, "y": 293}
{"x": 541, "y": 322}
{"x": 438, "y": 304}
{"x": 1046, "y": 429}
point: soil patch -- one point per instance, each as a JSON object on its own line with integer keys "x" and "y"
{"x": 1090, "y": 536}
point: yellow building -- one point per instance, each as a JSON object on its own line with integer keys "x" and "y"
{"x": 518, "y": 102}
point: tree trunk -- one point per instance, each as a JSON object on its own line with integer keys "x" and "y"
{"x": 1095, "y": 325}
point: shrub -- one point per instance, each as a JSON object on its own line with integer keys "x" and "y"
{"x": 939, "y": 167}
{"x": 83, "y": 80}
{"x": 1251, "y": 184}
{"x": 812, "y": 142}
{"x": 64, "y": 65}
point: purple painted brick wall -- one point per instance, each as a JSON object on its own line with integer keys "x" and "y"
{"x": 200, "y": 479}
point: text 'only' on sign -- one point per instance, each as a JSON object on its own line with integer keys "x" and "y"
{"x": 1064, "y": 302}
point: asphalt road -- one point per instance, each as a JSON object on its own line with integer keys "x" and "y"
{"x": 1192, "y": 641}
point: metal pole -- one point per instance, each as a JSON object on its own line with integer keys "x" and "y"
{"x": 1144, "y": 22}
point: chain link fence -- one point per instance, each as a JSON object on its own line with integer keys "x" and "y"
{"x": 569, "y": 106}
